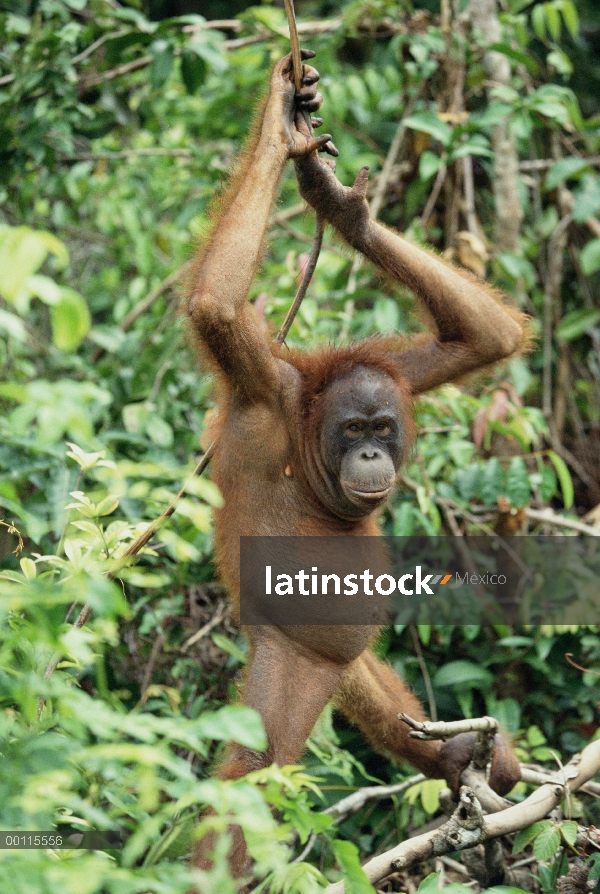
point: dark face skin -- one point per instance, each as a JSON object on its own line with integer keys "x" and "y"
{"x": 362, "y": 439}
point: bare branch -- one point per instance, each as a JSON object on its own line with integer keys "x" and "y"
{"x": 553, "y": 518}
{"x": 578, "y": 771}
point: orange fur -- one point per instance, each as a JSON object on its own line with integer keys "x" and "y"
{"x": 276, "y": 475}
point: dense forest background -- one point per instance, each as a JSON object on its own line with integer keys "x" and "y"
{"x": 480, "y": 122}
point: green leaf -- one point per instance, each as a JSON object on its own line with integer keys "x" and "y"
{"x": 577, "y": 323}
{"x": 206, "y": 489}
{"x": 70, "y": 320}
{"x": 492, "y": 481}
{"x": 386, "y": 315}
{"x": 430, "y": 884}
{"x": 589, "y": 257}
{"x": 546, "y": 844}
{"x": 507, "y": 711}
{"x": 44, "y": 288}
{"x": 162, "y": 63}
{"x": 428, "y": 122}
{"x": 594, "y": 862}
{"x": 552, "y": 20}
{"x": 547, "y": 484}
{"x": 12, "y": 325}
{"x": 535, "y": 736}
{"x": 28, "y": 568}
{"x": 159, "y": 431}
{"x": 563, "y": 170}
{"x": 229, "y": 646}
{"x": 107, "y": 506}
{"x": 569, "y": 830}
{"x": 208, "y": 46}
{"x": 538, "y": 20}
{"x": 477, "y": 145}
{"x": 430, "y": 795}
{"x": 503, "y": 889}
{"x": 564, "y": 477}
{"x": 517, "y": 482}
{"x": 429, "y": 165}
{"x": 234, "y": 723}
{"x": 468, "y": 481}
{"x": 516, "y": 55}
{"x": 526, "y": 836}
{"x": 193, "y": 70}
{"x": 561, "y": 62}
{"x": 587, "y": 198}
{"x": 570, "y": 17}
{"x": 355, "y": 878}
{"x": 22, "y": 253}
{"x": 493, "y": 114}
{"x": 463, "y": 673}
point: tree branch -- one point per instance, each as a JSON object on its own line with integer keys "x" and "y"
{"x": 462, "y": 832}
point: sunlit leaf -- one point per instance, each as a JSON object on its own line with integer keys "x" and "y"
{"x": 70, "y": 320}
{"x": 564, "y": 477}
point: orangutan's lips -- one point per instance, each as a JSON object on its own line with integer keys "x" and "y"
{"x": 371, "y": 495}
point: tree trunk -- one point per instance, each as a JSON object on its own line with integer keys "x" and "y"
{"x": 483, "y": 15}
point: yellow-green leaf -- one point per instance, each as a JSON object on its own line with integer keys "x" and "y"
{"x": 564, "y": 477}
{"x": 28, "y": 568}
{"x": 70, "y": 319}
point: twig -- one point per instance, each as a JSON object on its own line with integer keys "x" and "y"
{"x": 487, "y": 797}
{"x": 219, "y": 24}
{"x": 390, "y": 160}
{"x": 89, "y": 80}
{"x": 428, "y": 729}
{"x": 534, "y": 775}
{"x": 469, "y": 195}
{"x": 307, "y": 848}
{"x": 142, "y": 306}
{"x": 465, "y": 554}
{"x": 156, "y": 649}
{"x": 552, "y": 287}
{"x": 294, "y": 43}
{"x": 152, "y": 528}
{"x": 437, "y": 186}
{"x": 543, "y": 164}
{"x": 214, "y": 622}
{"x": 147, "y": 302}
{"x": 552, "y": 518}
{"x": 376, "y": 203}
{"x": 357, "y": 800}
{"x": 79, "y": 621}
{"x": 294, "y": 211}
{"x": 127, "y": 153}
{"x": 96, "y": 45}
{"x": 306, "y": 278}
{"x": 424, "y": 672}
{"x": 455, "y": 866}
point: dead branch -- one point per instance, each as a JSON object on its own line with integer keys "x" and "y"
{"x": 428, "y": 729}
{"x": 549, "y": 517}
{"x": 467, "y": 828}
{"x": 357, "y": 800}
{"x": 202, "y": 632}
{"x": 544, "y": 164}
